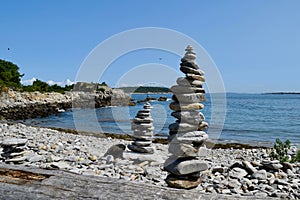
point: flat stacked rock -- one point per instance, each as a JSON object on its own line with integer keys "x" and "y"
{"x": 142, "y": 127}
{"x": 13, "y": 150}
{"x": 187, "y": 133}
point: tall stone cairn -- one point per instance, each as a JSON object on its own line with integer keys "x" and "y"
{"x": 187, "y": 133}
{"x": 142, "y": 127}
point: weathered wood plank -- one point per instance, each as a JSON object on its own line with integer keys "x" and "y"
{"x": 18, "y": 182}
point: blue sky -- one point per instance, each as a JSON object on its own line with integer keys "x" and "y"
{"x": 255, "y": 43}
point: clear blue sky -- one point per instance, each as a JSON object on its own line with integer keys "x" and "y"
{"x": 254, "y": 43}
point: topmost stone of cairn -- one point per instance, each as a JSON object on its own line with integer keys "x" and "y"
{"x": 190, "y": 55}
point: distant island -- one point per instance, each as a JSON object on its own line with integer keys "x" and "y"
{"x": 145, "y": 89}
{"x": 282, "y": 93}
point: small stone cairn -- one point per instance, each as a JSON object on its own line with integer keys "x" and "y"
{"x": 142, "y": 127}
{"x": 187, "y": 133}
{"x": 13, "y": 150}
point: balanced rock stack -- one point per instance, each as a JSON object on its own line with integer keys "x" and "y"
{"x": 142, "y": 126}
{"x": 13, "y": 150}
{"x": 187, "y": 133}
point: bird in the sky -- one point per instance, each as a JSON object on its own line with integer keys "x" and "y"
{"x": 160, "y": 58}
{"x": 8, "y": 49}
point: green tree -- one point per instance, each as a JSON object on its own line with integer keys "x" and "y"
{"x": 9, "y": 74}
{"x": 68, "y": 87}
{"x": 57, "y": 88}
{"x": 103, "y": 84}
{"x": 41, "y": 86}
{"x": 37, "y": 85}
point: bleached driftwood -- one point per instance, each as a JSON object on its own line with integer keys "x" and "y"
{"x": 19, "y": 182}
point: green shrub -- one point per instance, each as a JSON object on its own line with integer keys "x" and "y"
{"x": 37, "y": 85}
{"x": 103, "y": 84}
{"x": 100, "y": 90}
{"x": 41, "y": 86}
{"x": 297, "y": 157}
{"x": 280, "y": 152}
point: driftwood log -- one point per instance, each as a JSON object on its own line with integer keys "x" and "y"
{"x": 19, "y": 182}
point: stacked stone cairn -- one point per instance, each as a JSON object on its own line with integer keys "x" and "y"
{"x": 187, "y": 133}
{"x": 142, "y": 127}
{"x": 13, "y": 150}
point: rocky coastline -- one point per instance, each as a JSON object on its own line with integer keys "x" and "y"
{"x": 24, "y": 105}
{"x": 239, "y": 173}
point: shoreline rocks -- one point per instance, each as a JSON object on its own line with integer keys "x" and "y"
{"x": 89, "y": 155}
{"x": 147, "y": 99}
{"x": 162, "y": 98}
{"x": 24, "y": 105}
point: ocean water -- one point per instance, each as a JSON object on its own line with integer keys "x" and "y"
{"x": 250, "y": 118}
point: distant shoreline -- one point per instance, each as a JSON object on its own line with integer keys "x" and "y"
{"x": 281, "y": 93}
{"x": 151, "y": 93}
{"x": 145, "y": 89}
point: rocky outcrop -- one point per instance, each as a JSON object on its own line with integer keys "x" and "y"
{"x": 147, "y": 99}
{"x": 23, "y": 105}
{"x": 113, "y": 97}
{"x": 162, "y": 98}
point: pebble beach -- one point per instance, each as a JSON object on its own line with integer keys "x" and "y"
{"x": 235, "y": 172}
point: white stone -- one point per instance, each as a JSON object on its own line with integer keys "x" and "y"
{"x": 13, "y": 141}
{"x": 183, "y": 81}
{"x": 260, "y": 175}
{"x": 140, "y": 149}
{"x": 177, "y": 89}
{"x": 237, "y": 173}
{"x": 191, "y": 117}
{"x": 182, "y": 127}
{"x": 182, "y": 150}
{"x": 189, "y": 98}
{"x": 179, "y": 167}
{"x": 142, "y": 143}
{"x": 60, "y": 165}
